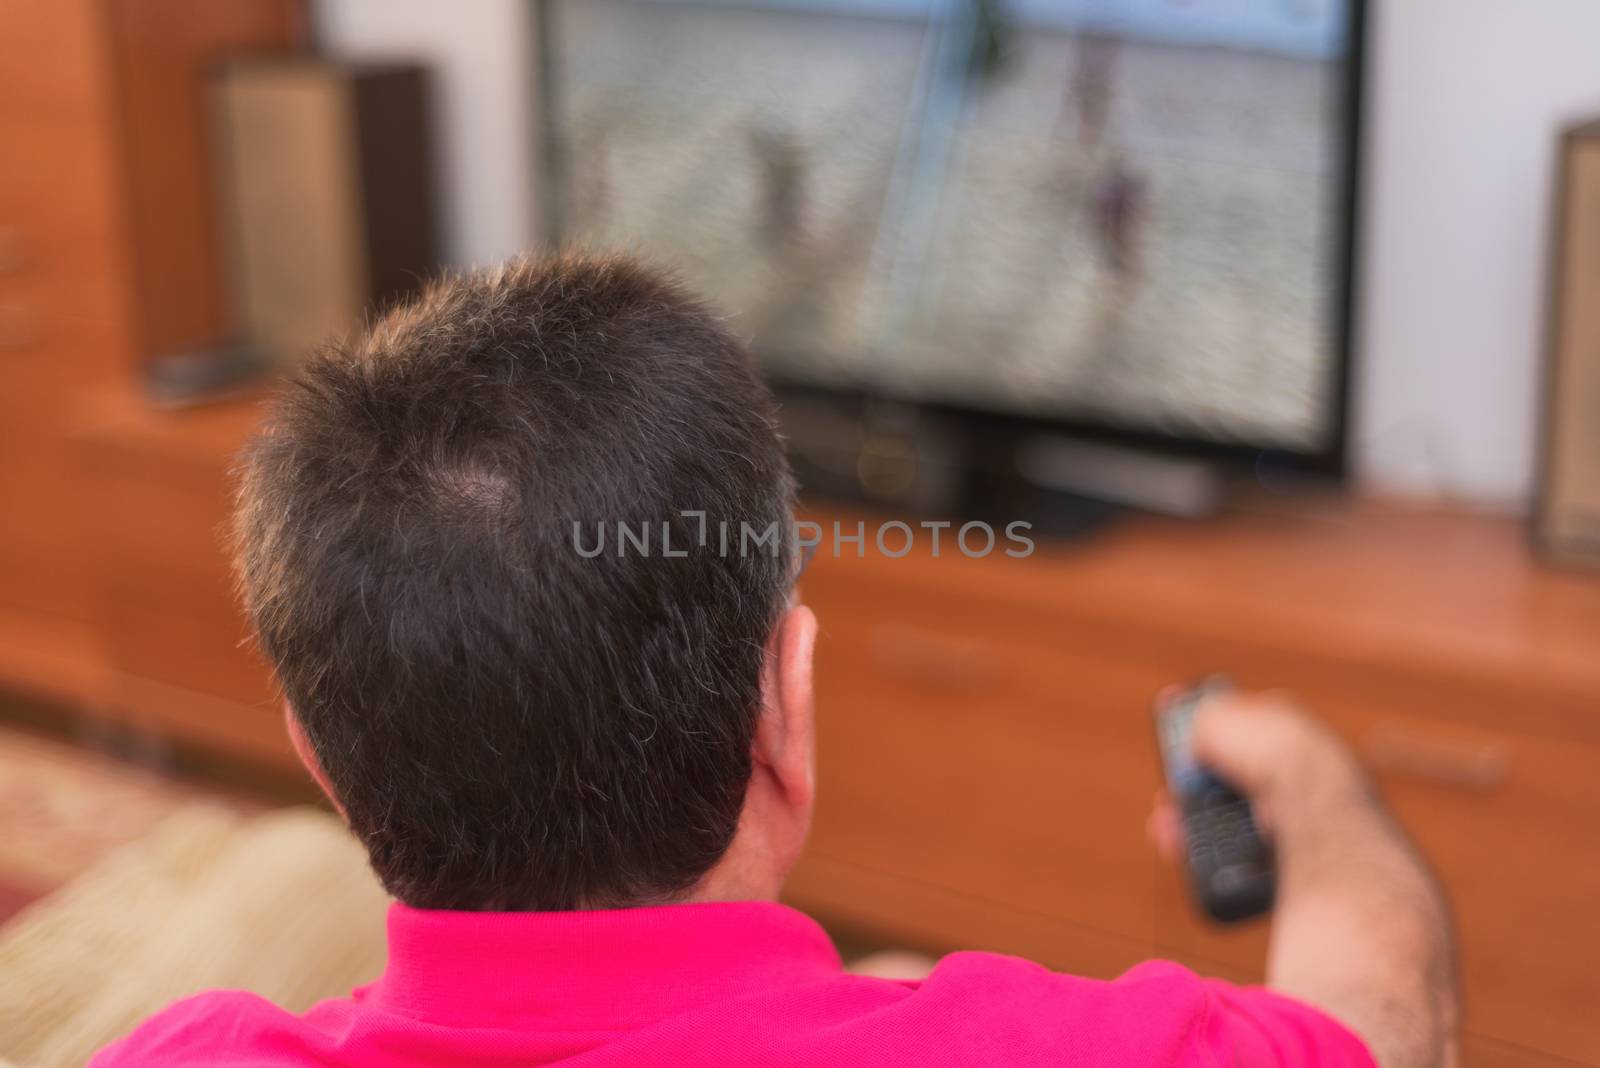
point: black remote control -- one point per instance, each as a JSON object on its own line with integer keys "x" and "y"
{"x": 1230, "y": 864}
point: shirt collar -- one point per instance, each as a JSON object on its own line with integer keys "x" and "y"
{"x": 611, "y": 967}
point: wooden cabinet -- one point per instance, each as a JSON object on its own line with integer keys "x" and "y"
{"x": 106, "y": 259}
{"x": 986, "y": 761}
{"x": 64, "y": 316}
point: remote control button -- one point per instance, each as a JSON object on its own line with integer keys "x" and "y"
{"x": 1226, "y": 880}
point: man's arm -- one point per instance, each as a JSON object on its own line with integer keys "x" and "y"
{"x": 1360, "y": 929}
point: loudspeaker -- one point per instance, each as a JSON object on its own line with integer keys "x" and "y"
{"x": 1567, "y": 512}
{"x": 325, "y": 177}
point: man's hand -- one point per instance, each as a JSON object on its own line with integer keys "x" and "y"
{"x": 1277, "y": 754}
{"x": 1360, "y": 929}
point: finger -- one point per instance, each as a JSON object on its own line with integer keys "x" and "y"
{"x": 1229, "y": 738}
{"x": 1164, "y": 827}
{"x": 1261, "y": 812}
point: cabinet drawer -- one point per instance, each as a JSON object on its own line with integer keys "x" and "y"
{"x": 970, "y": 755}
{"x": 180, "y": 650}
{"x": 166, "y": 590}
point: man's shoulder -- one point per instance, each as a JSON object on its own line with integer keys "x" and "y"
{"x": 1014, "y": 1011}
{"x": 217, "y": 1028}
{"x": 983, "y": 1008}
{"x": 1160, "y": 995}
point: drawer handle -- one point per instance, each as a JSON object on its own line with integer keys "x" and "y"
{"x": 929, "y": 658}
{"x": 18, "y": 329}
{"x": 13, "y": 250}
{"x": 1477, "y": 766}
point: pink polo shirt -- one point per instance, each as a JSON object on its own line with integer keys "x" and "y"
{"x": 746, "y": 984}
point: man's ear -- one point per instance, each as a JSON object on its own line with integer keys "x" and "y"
{"x": 308, "y": 755}
{"x": 786, "y": 734}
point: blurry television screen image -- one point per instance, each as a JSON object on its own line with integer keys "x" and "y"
{"x": 1130, "y": 214}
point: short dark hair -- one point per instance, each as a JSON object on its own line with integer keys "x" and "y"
{"x": 510, "y": 723}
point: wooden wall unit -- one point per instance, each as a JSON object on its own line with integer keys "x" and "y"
{"x": 107, "y": 255}
{"x": 64, "y": 310}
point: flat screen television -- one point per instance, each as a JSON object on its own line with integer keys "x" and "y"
{"x": 1128, "y": 219}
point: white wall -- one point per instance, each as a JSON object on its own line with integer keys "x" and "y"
{"x": 1466, "y": 97}
{"x": 478, "y": 51}
{"x": 1465, "y": 100}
